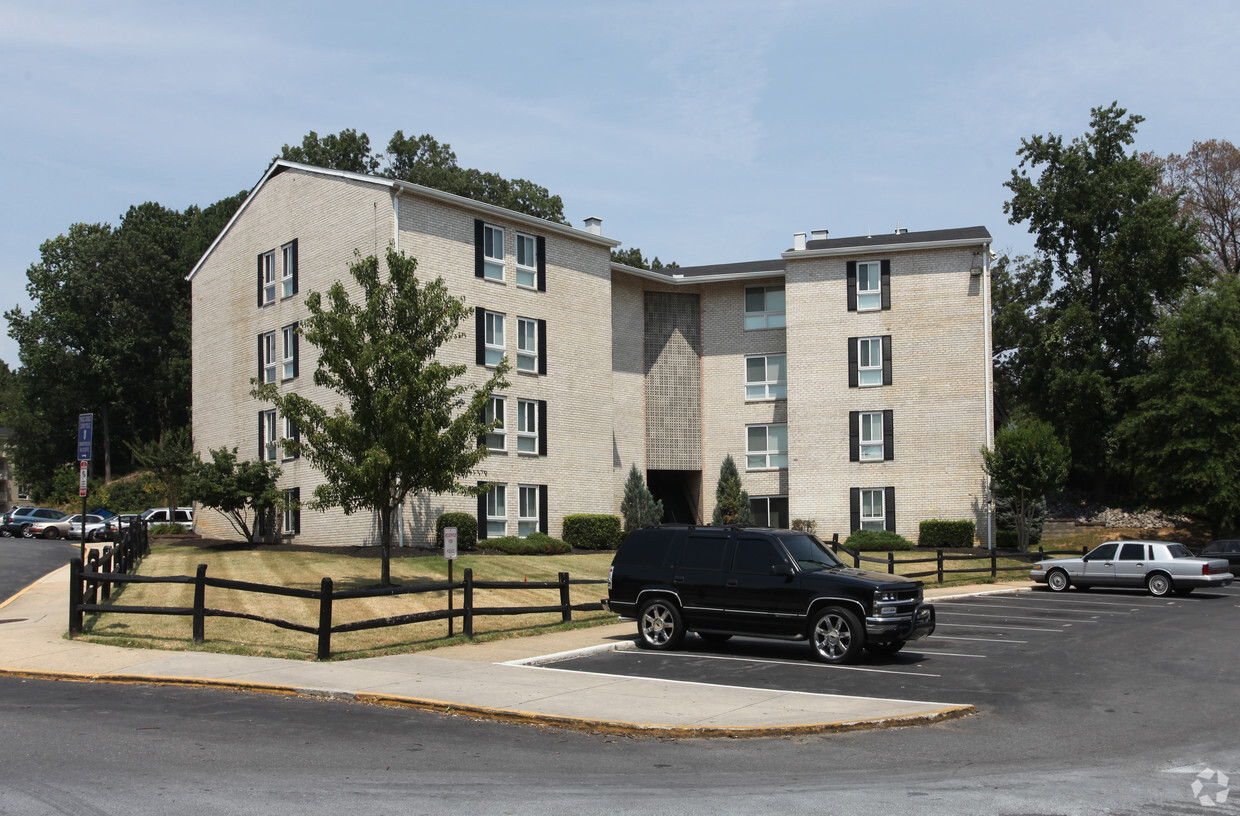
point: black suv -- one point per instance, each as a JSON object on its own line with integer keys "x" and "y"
{"x": 724, "y": 581}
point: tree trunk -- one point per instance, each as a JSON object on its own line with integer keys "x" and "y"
{"x": 385, "y": 545}
{"x": 106, "y": 427}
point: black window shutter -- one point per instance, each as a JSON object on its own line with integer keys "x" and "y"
{"x": 482, "y": 513}
{"x": 478, "y": 247}
{"x": 854, "y": 436}
{"x": 296, "y": 347}
{"x": 886, "y": 284}
{"x": 889, "y": 507}
{"x": 888, "y": 436}
{"x": 852, "y": 362}
{"x": 542, "y": 427}
{"x": 260, "y": 280}
{"x": 852, "y": 286}
{"x": 296, "y": 431}
{"x": 854, "y": 508}
{"x": 886, "y": 359}
{"x": 261, "y": 367}
{"x": 541, "y": 249}
{"x": 297, "y": 510}
{"x": 262, "y": 446}
{"x": 542, "y": 509}
{"x": 542, "y": 347}
{"x": 294, "y": 259}
{"x": 482, "y": 417}
{"x": 480, "y": 321}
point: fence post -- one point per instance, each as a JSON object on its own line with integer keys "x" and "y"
{"x": 940, "y": 566}
{"x": 566, "y": 613}
{"x": 75, "y": 597}
{"x": 891, "y": 563}
{"x": 200, "y": 603}
{"x": 92, "y": 566}
{"x": 994, "y": 565}
{"x": 857, "y": 559}
{"x": 467, "y": 605}
{"x": 325, "y": 619}
{"x": 107, "y": 567}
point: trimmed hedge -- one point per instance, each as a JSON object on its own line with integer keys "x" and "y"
{"x": 937, "y": 534}
{"x": 877, "y": 541}
{"x": 593, "y": 531}
{"x": 466, "y": 530}
{"x": 1009, "y": 540}
{"x": 533, "y": 544}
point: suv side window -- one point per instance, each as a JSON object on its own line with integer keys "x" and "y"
{"x": 643, "y": 548}
{"x": 703, "y": 552}
{"x": 756, "y": 556}
{"x": 183, "y": 515}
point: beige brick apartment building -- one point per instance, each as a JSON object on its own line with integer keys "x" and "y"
{"x": 849, "y": 378}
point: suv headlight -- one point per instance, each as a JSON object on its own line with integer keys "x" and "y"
{"x": 886, "y": 595}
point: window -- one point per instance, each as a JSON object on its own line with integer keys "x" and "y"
{"x": 764, "y": 307}
{"x": 494, "y": 338}
{"x": 292, "y": 511}
{"x": 288, "y": 254}
{"x": 527, "y": 426}
{"x": 769, "y": 511}
{"x": 870, "y": 436}
{"x": 289, "y": 337}
{"x": 756, "y": 556}
{"x": 869, "y": 361}
{"x": 492, "y": 252}
{"x": 527, "y": 261}
{"x": 497, "y": 437}
{"x": 267, "y": 436}
{"x": 869, "y": 286}
{"x": 766, "y": 446}
{"x": 1133, "y": 552}
{"x": 497, "y": 511}
{"x": 766, "y": 377}
{"x": 527, "y": 344}
{"x": 292, "y": 433}
{"x": 527, "y": 510}
{"x": 267, "y": 278}
{"x": 872, "y": 508}
{"x": 267, "y": 357}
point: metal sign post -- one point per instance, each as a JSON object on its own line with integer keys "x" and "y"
{"x": 449, "y": 552}
{"x": 85, "y": 436}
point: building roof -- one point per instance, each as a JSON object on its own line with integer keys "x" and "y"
{"x": 971, "y": 234}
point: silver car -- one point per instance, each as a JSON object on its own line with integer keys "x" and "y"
{"x": 1159, "y": 566}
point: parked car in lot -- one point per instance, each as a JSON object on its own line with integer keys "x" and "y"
{"x": 20, "y": 522}
{"x": 757, "y": 582}
{"x": 7, "y": 517}
{"x": 1228, "y": 549}
{"x": 60, "y": 528}
{"x": 183, "y": 517}
{"x": 1159, "y": 566}
{"x": 95, "y": 530}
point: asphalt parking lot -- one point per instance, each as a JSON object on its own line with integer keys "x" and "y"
{"x": 984, "y": 651}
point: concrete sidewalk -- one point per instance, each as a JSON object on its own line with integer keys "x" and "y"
{"x": 513, "y": 680}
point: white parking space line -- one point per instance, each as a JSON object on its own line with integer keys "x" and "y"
{"x": 937, "y": 636}
{"x": 1128, "y": 602}
{"x": 1013, "y": 617}
{"x": 930, "y": 653}
{"x": 988, "y": 626}
{"x": 793, "y": 663}
{"x": 1046, "y": 606}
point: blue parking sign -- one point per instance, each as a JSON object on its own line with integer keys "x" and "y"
{"x": 86, "y": 430}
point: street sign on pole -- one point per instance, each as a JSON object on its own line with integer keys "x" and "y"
{"x": 82, "y": 482}
{"x": 86, "y": 430}
{"x": 449, "y": 543}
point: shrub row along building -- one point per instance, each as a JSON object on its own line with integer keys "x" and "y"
{"x": 850, "y": 378}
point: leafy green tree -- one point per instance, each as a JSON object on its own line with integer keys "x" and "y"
{"x": 1027, "y": 462}
{"x": 347, "y": 150}
{"x": 170, "y": 460}
{"x": 731, "y": 501}
{"x": 241, "y": 491}
{"x": 406, "y": 425}
{"x": 1112, "y": 254}
{"x": 1183, "y": 435}
{"x": 633, "y": 257}
{"x": 638, "y": 507}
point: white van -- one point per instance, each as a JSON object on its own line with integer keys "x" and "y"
{"x": 183, "y": 516}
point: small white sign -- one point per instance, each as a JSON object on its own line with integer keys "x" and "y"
{"x": 82, "y": 482}
{"x": 449, "y": 543}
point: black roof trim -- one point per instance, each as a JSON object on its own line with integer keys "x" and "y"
{"x": 889, "y": 239}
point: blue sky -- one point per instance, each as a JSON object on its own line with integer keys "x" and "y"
{"x": 702, "y": 132}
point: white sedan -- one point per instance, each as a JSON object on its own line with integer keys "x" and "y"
{"x": 1159, "y": 566}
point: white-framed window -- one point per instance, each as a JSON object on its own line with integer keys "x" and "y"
{"x": 269, "y": 357}
{"x": 527, "y": 261}
{"x": 873, "y": 516}
{"x": 289, "y": 338}
{"x": 492, "y": 252}
{"x": 527, "y": 344}
{"x": 766, "y": 446}
{"x": 290, "y": 432}
{"x": 497, "y": 511}
{"x": 268, "y": 263}
{"x": 764, "y": 307}
{"x": 869, "y": 361}
{"x": 268, "y": 435}
{"x": 870, "y": 436}
{"x": 527, "y": 426}
{"x": 288, "y": 280}
{"x": 292, "y": 511}
{"x": 496, "y": 411}
{"x": 869, "y": 286}
{"x": 493, "y": 339}
{"x": 769, "y": 511}
{"x": 527, "y": 510}
{"x": 766, "y": 376}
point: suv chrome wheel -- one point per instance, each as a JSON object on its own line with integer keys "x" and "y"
{"x": 659, "y": 624}
{"x": 836, "y": 635}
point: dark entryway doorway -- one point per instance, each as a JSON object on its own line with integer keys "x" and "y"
{"x": 681, "y": 494}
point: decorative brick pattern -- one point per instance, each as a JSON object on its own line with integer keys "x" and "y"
{"x": 673, "y": 352}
